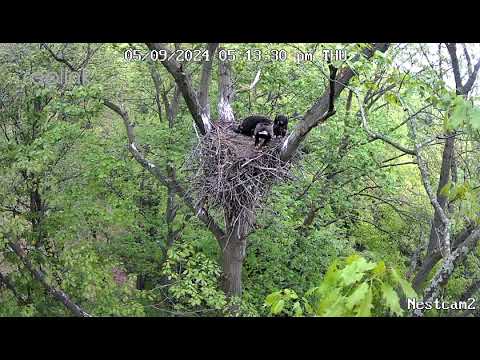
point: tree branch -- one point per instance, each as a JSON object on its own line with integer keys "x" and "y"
{"x": 226, "y": 93}
{"x": 319, "y": 112}
{"x": 60, "y": 59}
{"x": 472, "y": 78}
{"x": 452, "y": 50}
{"x": 201, "y": 213}
{"x": 57, "y": 294}
{"x": 205, "y": 79}
{"x": 433, "y": 257}
{"x": 469, "y": 60}
{"x": 374, "y": 135}
{"x": 157, "y": 82}
{"x": 446, "y": 270}
{"x": 252, "y": 85}
{"x": 184, "y": 82}
{"x": 4, "y": 279}
{"x": 445, "y": 230}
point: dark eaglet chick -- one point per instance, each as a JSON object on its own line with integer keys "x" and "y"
{"x": 261, "y": 127}
{"x": 280, "y": 126}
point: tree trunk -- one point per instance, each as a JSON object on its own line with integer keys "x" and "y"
{"x": 433, "y": 244}
{"x": 234, "y": 251}
{"x": 449, "y": 168}
{"x": 433, "y": 258}
{"x": 233, "y": 256}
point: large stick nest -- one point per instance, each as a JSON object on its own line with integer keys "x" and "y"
{"x": 230, "y": 174}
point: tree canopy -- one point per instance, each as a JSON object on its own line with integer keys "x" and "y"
{"x": 369, "y": 206}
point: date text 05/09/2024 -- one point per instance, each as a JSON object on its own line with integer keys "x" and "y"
{"x": 201, "y": 55}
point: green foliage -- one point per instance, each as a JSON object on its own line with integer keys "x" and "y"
{"x": 464, "y": 114}
{"x": 351, "y": 287}
{"x": 89, "y": 278}
{"x": 11, "y": 308}
{"x": 192, "y": 280}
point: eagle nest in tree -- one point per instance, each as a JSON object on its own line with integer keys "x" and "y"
{"x": 230, "y": 174}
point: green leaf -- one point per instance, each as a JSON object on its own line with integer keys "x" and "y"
{"x": 273, "y": 298}
{"x": 355, "y": 271}
{"x": 459, "y": 115}
{"x": 290, "y": 294}
{"x": 308, "y": 307}
{"x": 365, "y": 307}
{"x": 380, "y": 269}
{"x": 459, "y": 192}
{"x": 297, "y": 309}
{"x": 311, "y": 291}
{"x": 392, "y": 300}
{"x": 392, "y": 99}
{"x": 357, "y": 296}
{"x": 278, "y": 307}
{"x": 352, "y": 258}
{"x": 329, "y": 282}
{"x": 327, "y": 304}
{"x": 475, "y": 118}
{"x": 336, "y": 306}
{"x": 405, "y": 285}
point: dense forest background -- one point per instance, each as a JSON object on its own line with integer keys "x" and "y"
{"x": 98, "y": 214}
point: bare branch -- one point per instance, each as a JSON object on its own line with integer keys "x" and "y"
{"x": 252, "y": 85}
{"x": 472, "y": 78}
{"x": 255, "y": 81}
{"x": 445, "y": 230}
{"x": 462, "y": 89}
{"x": 398, "y": 164}
{"x": 374, "y": 135}
{"x": 452, "y": 50}
{"x": 157, "y": 82}
{"x": 225, "y": 111}
{"x": 433, "y": 257}
{"x": 60, "y": 58}
{"x": 319, "y": 111}
{"x": 469, "y": 60}
{"x": 205, "y": 80}
{"x": 410, "y": 117}
{"x": 185, "y": 84}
